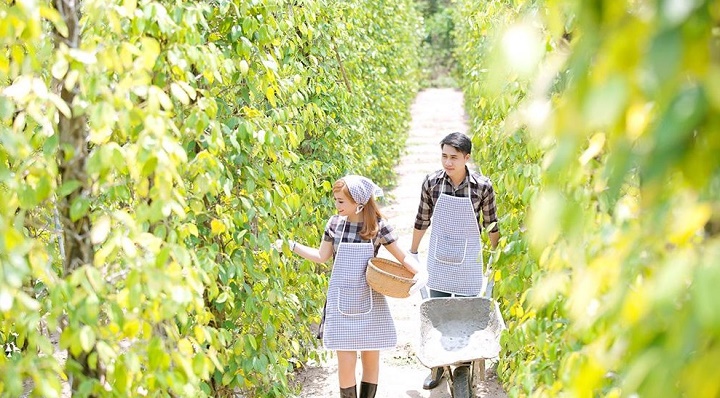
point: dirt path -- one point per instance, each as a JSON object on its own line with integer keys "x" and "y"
{"x": 435, "y": 113}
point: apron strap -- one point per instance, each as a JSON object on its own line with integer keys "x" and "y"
{"x": 339, "y": 237}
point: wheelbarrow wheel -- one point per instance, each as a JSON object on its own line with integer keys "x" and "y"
{"x": 461, "y": 387}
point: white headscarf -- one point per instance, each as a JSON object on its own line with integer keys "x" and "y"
{"x": 361, "y": 188}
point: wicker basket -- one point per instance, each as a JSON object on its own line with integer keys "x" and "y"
{"x": 388, "y": 277}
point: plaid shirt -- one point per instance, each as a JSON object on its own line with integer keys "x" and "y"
{"x": 350, "y": 232}
{"x": 475, "y": 185}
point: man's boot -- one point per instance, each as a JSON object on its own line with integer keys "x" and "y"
{"x": 433, "y": 379}
{"x": 349, "y": 392}
{"x": 367, "y": 390}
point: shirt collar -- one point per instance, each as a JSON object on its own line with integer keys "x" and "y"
{"x": 464, "y": 183}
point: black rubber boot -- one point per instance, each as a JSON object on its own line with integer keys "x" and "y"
{"x": 367, "y": 390}
{"x": 349, "y": 392}
{"x": 433, "y": 379}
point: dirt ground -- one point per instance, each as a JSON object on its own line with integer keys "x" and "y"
{"x": 435, "y": 113}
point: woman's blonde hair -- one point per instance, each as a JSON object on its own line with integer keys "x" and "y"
{"x": 370, "y": 212}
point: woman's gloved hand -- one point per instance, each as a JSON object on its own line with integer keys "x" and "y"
{"x": 279, "y": 244}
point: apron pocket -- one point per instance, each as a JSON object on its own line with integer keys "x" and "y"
{"x": 450, "y": 249}
{"x": 354, "y": 300}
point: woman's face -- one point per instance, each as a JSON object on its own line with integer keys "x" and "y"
{"x": 344, "y": 205}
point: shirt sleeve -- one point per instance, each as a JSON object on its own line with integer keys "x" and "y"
{"x": 386, "y": 234}
{"x": 329, "y": 234}
{"x": 425, "y": 209}
{"x": 489, "y": 211}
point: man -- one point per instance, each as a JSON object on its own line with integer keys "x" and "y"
{"x": 460, "y": 202}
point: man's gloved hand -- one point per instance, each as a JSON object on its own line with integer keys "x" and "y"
{"x": 420, "y": 279}
{"x": 490, "y": 274}
{"x": 416, "y": 256}
{"x": 492, "y": 257}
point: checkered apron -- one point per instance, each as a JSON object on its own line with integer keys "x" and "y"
{"x": 455, "y": 263}
{"x": 357, "y": 318}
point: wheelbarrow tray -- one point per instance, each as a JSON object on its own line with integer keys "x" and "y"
{"x": 459, "y": 330}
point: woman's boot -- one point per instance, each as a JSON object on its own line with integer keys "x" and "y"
{"x": 349, "y": 392}
{"x": 367, "y": 390}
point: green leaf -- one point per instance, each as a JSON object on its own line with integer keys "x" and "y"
{"x": 87, "y": 338}
{"x": 79, "y": 208}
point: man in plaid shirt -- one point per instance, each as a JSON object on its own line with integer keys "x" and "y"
{"x": 460, "y": 203}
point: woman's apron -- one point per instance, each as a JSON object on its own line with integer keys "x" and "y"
{"x": 357, "y": 318}
{"x": 455, "y": 263}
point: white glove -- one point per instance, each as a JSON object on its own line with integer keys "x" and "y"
{"x": 416, "y": 256}
{"x": 279, "y": 244}
{"x": 490, "y": 275}
{"x": 420, "y": 279}
{"x": 492, "y": 258}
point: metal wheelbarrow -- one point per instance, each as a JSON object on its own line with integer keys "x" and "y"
{"x": 460, "y": 333}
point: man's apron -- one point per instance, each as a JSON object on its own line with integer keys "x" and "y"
{"x": 357, "y": 318}
{"x": 455, "y": 263}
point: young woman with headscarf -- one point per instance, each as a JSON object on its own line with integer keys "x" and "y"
{"x": 356, "y": 318}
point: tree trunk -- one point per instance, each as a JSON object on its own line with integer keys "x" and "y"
{"x": 72, "y": 156}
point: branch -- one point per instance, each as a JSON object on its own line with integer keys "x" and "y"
{"x": 342, "y": 67}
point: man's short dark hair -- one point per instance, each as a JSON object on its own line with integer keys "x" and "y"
{"x": 459, "y": 141}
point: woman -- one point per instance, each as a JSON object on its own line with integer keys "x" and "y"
{"x": 356, "y": 317}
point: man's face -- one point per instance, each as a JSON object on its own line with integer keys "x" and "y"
{"x": 453, "y": 161}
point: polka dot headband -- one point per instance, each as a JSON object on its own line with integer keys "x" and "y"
{"x": 361, "y": 188}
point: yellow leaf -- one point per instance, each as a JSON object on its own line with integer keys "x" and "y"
{"x": 270, "y": 94}
{"x": 20, "y": 89}
{"x": 131, "y": 328}
{"x": 100, "y": 230}
{"x": 199, "y": 334}
{"x": 4, "y": 65}
{"x": 60, "y": 104}
{"x": 52, "y": 15}
{"x": 634, "y": 306}
{"x": 18, "y": 54}
{"x": 185, "y": 347}
{"x": 244, "y": 67}
{"x": 188, "y": 89}
{"x": 159, "y": 96}
{"x": 594, "y": 148}
{"x": 217, "y": 226}
{"x": 251, "y": 112}
{"x": 84, "y": 57}
{"x": 60, "y": 68}
{"x": 71, "y": 78}
{"x": 179, "y": 93}
{"x": 637, "y": 118}
{"x": 87, "y": 338}
{"x": 688, "y": 222}
{"x": 130, "y": 6}
{"x": 151, "y": 50}
{"x": 544, "y": 225}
